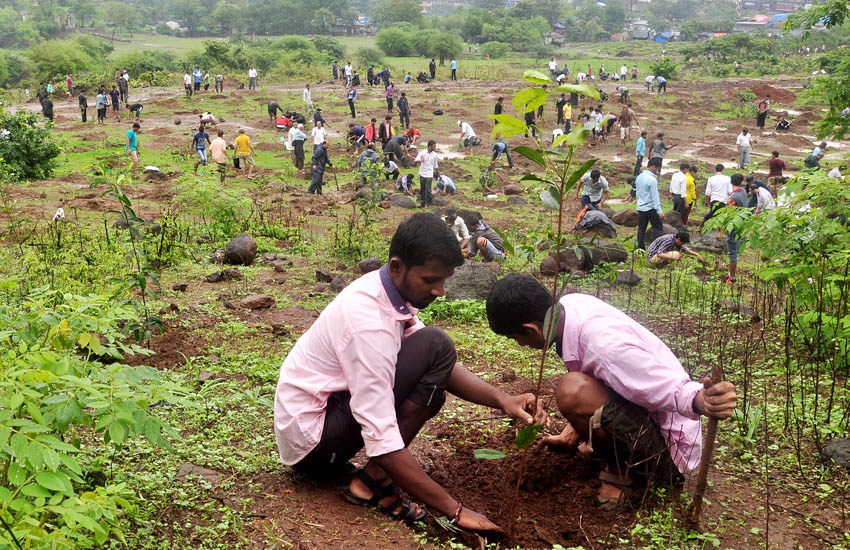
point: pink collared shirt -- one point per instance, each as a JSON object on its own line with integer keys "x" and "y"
{"x": 603, "y": 342}
{"x": 352, "y": 346}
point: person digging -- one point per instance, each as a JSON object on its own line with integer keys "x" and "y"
{"x": 625, "y": 394}
{"x": 369, "y": 373}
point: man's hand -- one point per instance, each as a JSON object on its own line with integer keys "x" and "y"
{"x": 521, "y": 408}
{"x": 567, "y": 440}
{"x": 473, "y": 521}
{"x": 717, "y": 400}
{"x": 662, "y": 216}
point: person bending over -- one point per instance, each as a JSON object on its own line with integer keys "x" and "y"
{"x": 625, "y": 394}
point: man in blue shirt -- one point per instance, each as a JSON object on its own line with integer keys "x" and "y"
{"x": 352, "y": 95}
{"x": 199, "y": 143}
{"x": 498, "y": 149}
{"x": 662, "y": 84}
{"x": 648, "y": 201}
{"x": 197, "y": 75}
{"x": 454, "y": 69}
{"x": 640, "y": 152}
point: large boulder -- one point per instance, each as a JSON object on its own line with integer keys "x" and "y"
{"x": 626, "y": 218}
{"x": 708, "y": 242}
{"x": 651, "y": 234}
{"x": 516, "y": 199}
{"x": 627, "y": 278}
{"x": 595, "y": 254}
{"x": 402, "y": 201}
{"x": 837, "y": 451}
{"x": 608, "y": 211}
{"x": 513, "y": 189}
{"x": 675, "y": 219}
{"x": 471, "y": 281}
{"x": 241, "y": 250}
{"x": 258, "y": 301}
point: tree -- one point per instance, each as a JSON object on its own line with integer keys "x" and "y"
{"x": 394, "y": 42}
{"x": 119, "y": 15}
{"x": 388, "y": 12}
{"x": 368, "y": 56}
{"x": 226, "y": 16}
{"x": 446, "y": 45}
{"x": 615, "y": 16}
{"x": 323, "y": 20}
{"x": 495, "y": 50}
{"x": 421, "y": 42}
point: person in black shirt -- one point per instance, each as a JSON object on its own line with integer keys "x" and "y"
{"x": 403, "y": 110}
{"x": 559, "y": 107}
{"x": 432, "y": 67}
{"x": 84, "y": 105}
{"x": 497, "y": 110}
{"x": 47, "y": 108}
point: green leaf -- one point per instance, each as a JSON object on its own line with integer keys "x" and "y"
{"x": 508, "y": 126}
{"x": 488, "y": 454}
{"x": 575, "y": 176}
{"x": 54, "y": 481}
{"x": 35, "y": 491}
{"x": 551, "y": 320}
{"x": 531, "y": 154}
{"x": 577, "y": 137}
{"x": 51, "y": 459}
{"x": 525, "y": 436}
{"x": 535, "y": 177}
{"x": 529, "y": 99}
{"x": 16, "y": 474}
{"x": 152, "y": 431}
{"x": 20, "y": 446}
{"x": 535, "y": 77}
{"x": 35, "y": 456}
{"x": 551, "y": 198}
{"x": 16, "y": 400}
{"x": 117, "y": 433}
{"x": 583, "y": 89}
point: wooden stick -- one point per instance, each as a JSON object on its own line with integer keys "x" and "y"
{"x": 695, "y": 509}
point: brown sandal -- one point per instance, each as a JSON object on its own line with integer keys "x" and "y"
{"x": 624, "y": 483}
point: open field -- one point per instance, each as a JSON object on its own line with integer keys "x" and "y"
{"x": 765, "y": 492}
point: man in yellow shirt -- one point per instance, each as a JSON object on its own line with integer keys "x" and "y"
{"x": 246, "y": 153}
{"x": 568, "y": 118}
{"x": 690, "y": 192}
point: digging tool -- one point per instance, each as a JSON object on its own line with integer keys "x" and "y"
{"x": 336, "y": 181}
{"x": 695, "y": 509}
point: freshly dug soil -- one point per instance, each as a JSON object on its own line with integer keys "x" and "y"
{"x": 776, "y": 94}
{"x": 717, "y": 151}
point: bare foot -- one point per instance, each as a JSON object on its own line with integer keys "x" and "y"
{"x": 359, "y": 489}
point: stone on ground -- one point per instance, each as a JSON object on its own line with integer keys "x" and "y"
{"x": 471, "y": 281}
{"x": 369, "y": 264}
{"x": 241, "y": 250}
{"x": 258, "y": 301}
{"x": 626, "y": 218}
{"x": 402, "y": 201}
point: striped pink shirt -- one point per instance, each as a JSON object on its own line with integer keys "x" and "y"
{"x": 352, "y": 346}
{"x": 603, "y": 342}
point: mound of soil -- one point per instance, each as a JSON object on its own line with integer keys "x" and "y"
{"x": 557, "y": 497}
{"x": 717, "y": 151}
{"x": 776, "y": 94}
{"x": 158, "y": 131}
{"x": 266, "y": 146}
{"x": 807, "y": 117}
{"x": 794, "y": 141}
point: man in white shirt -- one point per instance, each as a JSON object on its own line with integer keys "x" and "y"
{"x": 467, "y": 134}
{"x": 623, "y": 71}
{"x": 348, "y": 72}
{"x": 187, "y": 84}
{"x": 252, "y": 78}
{"x": 764, "y": 200}
{"x": 835, "y": 173}
{"x": 292, "y": 131}
{"x": 459, "y": 229}
{"x": 318, "y": 133}
{"x": 744, "y": 143}
{"x": 679, "y": 189}
{"x": 650, "y": 82}
{"x": 427, "y": 161}
{"x": 718, "y": 188}
{"x": 307, "y": 96}
{"x": 553, "y": 67}
{"x": 581, "y": 76}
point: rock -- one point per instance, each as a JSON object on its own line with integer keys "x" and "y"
{"x": 122, "y": 224}
{"x": 674, "y": 219}
{"x": 323, "y": 276}
{"x": 210, "y": 476}
{"x": 743, "y": 310}
{"x": 369, "y": 264}
{"x": 280, "y": 266}
{"x": 439, "y": 201}
{"x": 217, "y": 257}
{"x": 608, "y": 211}
{"x": 627, "y": 278}
{"x": 177, "y": 121}
{"x": 203, "y": 376}
{"x": 402, "y": 201}
{"x": 593, "y": 255}
{"x": 626, "y": 218}
{"x": 708, "y": 242}
{"x": 271, "y": 257}
{"x": 280, "y": 330}
{"x": 229, "y": 274}
{"x": 651, "y": 234}
{"x": 241, "y": 250}
{"x": 508, "y": 375}
{"x": 547, "y": 266}
{"x": 157, "y": 175}
{"x": 338, "y": 283}
{"x": 471, "y": 281}
{"x": 180, "y": 287}
{"x": 513, "y": 189}
{"x": 257, "y": 301}
{"x": 515, "y": 199}
{"x": 837, "y": 451}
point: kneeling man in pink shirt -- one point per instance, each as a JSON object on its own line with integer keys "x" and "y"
{"x": 625, "y": 395}
{"x": 369, "y": 374}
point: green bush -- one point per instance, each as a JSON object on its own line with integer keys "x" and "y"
{"x": 421, "y": 42}
{"x": 28, "y": 149}
{"x": 146, "y": 61}
{"x": 664, "y": 67}
{"x": 394, "y": 42}
{"x": 329, "y": 46}
{"x": 368, "y": 56}
{"x": 495, "y": 49}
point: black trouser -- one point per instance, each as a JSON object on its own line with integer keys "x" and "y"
{"x": 644, "y": 218}
{"x": 433, "y": 74}
{"x": 83, "y": 113}
{"x": 123, "y": 94}
{"x": 219, "y": 86}
{"x": 638, "y": 165}
{"x": 454, "y": 74}
{"x": 560, "y": 117}
{"x": 316, "y": 182}
{"x": 760, "y": 118}
{"x": 679, "y": 205}
{"x": 423, "y": 367}
{"x": 714, "y": 207}
{"x": 197, "y": 86}
{"x": 188, "y": 90}
{"x": 351, "y": 106}
{"x": 404, "y": 117}
{"x": 389, "y": 104}
{"x": 425, "y": 196}
{"x": 298, "y": 153}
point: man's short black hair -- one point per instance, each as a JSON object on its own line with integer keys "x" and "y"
{"x": 684, "y": 237}
{"x": 775, "y": 154}
{"x": 516, "y": 300}
{"x": 750, "y": 178}
{"x": 719, "y": 168}
{"x": 684, "y": 166}
{"x": 657, "y": 162}
{"x": 424, "y": 236}
{"x": 737, "y": 179}
{"x": 594, "y": 174}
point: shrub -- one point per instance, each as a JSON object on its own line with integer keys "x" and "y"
{"x": 368, "y": 56}
{"x": 394, "y": 42}
{"x": 56, "y": 58}
{"x": 421, "y": 42}
{"x": 146, "y": 61}
{"x": 329, "y": 46}
{"x": 28, "y": 149}
{"x": 664, "y": 67}
{"x": 495, "y": 49}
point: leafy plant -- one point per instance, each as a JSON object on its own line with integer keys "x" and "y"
{"x": 26, "y": 146}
